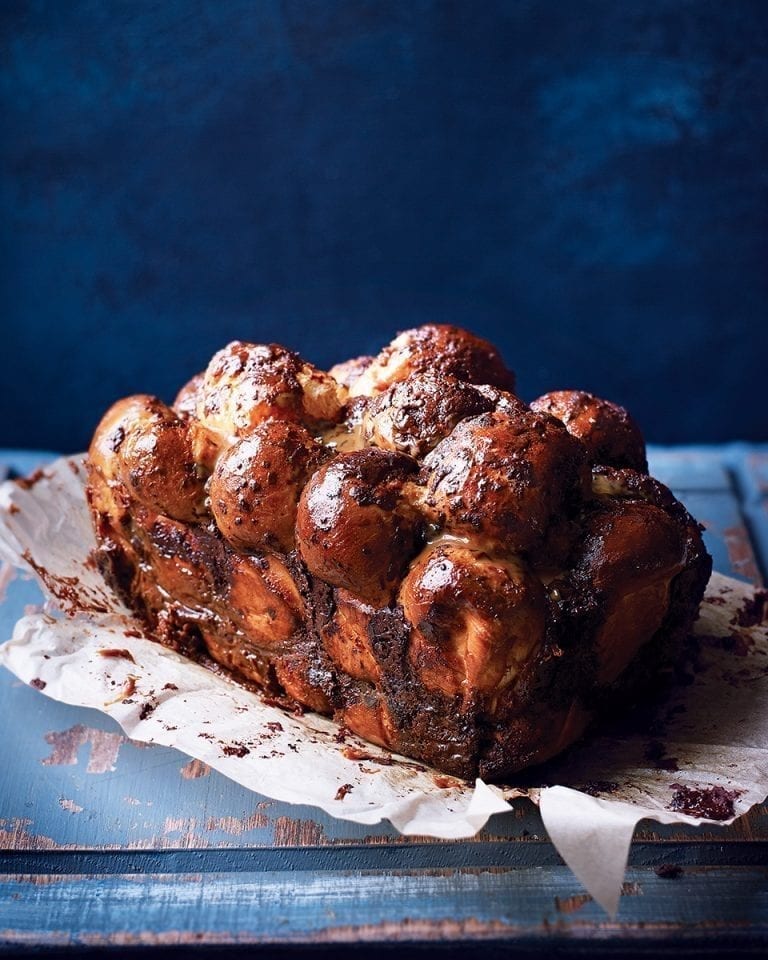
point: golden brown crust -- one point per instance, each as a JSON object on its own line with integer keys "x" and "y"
{"x": 437, "y": 348}
{"x": 246, "y": 383}
{"x": 256, "y": 484}
{"x": 608, "y": 432}
{"x": 424, "y": 557}
{"x": 144, "y": 450}
{"x": 474, "y": 618}
{"x": 505, "y": 477}
{"x": 413, "y": 415}
{"x": 354, "y": 527}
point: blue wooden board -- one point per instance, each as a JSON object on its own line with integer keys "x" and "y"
{"x": 104, "y": 841}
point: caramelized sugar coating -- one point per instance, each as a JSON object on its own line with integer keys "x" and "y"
{"x": 608, "y": 432}
{"x": 625, "y": 485}
{"x": 475, "y": 619}
{"x": 246, "y": 383}
{"x": 630, "y": 553}
{"x": 257, "y": 482}
{"x": 504, "y": 477}
{"x": 413, "y": 415}
{"x": 437, "y": 348}
{"x": 107, "y": 493}
{"x": 355, "y": 529}
{"x": 421, "y": 555}
{"x": 142, "y": 447}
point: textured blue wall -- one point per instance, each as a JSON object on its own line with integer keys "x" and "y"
{"x": 585, "y": 182}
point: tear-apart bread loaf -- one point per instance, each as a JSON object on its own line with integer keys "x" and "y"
{"x": 400, "y": 542}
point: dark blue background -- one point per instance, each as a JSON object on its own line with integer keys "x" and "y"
{"x": 584, "y": 182}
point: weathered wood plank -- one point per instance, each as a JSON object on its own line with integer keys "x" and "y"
{"x": 331, "y": 906}
{"x": 752, "y": 476}
{"x": 690, "y": 468}
{"x": 755, "y": 468}
{"x": 417, "y": 854}
{"x": 724, "y": 488}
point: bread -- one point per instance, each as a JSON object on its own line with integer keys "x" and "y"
{"x": 401, "y": 543}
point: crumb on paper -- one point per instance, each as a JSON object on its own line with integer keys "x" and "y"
{"x": 27, "y": 483}
{"x": 448, "y": 783}
{"x": 355, "y": 753}
{"x": 753, "y": 611}
{"x": 128, "y": 690}
{"x": 710, "y": 803}
{"x": 343, "y": 790}
{"x": 119, "y": 653}
{"x": 147, "y": 708}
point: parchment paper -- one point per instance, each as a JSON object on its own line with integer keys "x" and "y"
{"x": 702, "y": 750}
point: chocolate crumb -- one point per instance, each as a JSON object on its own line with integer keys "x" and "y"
{"x": 27, "y": 483}
{"x": 354, "y": 753}
{"x": 275, "y": 702}
{"x": 235, "y": 750}
{"x": 147, "y": 708}
{"x": 343, "y": 790}
{"x": 712, "y": 803}
{"x": 133, "y": 633}
{"x": 341, "y": 734}
{"x": 594, "y": 788}
{"x": 118, "y": 653}
{"x": 274, "y": 726}
{"x": 37, "y": 683}
{"x": 668, "y": 871}
{"x": 753, "y": 611}
{"x": 170, "y": 686}
{"x": 13, "y": 509}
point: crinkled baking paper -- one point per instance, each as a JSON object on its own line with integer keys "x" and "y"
{"x": 715, "y": 726}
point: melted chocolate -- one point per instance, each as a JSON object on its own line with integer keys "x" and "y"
{"x": 468, "y": 606}
{"x": 712, "y": 803}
